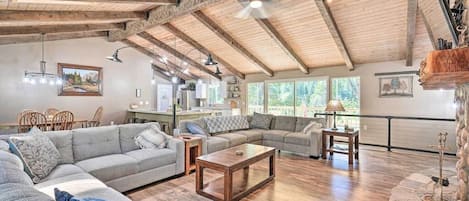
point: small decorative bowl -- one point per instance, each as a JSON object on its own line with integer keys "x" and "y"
{"x": 239, "y": 153}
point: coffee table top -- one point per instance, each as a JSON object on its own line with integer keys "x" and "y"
{"x": 229, "y": 158}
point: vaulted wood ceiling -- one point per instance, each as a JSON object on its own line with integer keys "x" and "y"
{"x": 301, "y": 35}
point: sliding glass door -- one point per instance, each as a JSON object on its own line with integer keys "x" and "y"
{"x": 347, "y": 90}
{"x": 255, "y": 97}
{"x": 281, "y": 98}
{"x": 310, "y": 97}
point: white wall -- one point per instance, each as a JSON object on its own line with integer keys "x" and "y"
{"x": 119, "y": 84}
{"x": 425, "y": 103}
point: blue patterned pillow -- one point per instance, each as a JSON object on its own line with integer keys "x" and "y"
{"x": 195, "y": 128}
{"x": 65, "y": 196}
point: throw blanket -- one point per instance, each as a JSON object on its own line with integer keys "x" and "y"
{"x": 226, "y": 123}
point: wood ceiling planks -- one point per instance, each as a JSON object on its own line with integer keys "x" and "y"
{"x": 47, "y": 29}
{"x": 432, "y": 12}
{"x": 54, "y": 5}
{"x": 50, "y": 37}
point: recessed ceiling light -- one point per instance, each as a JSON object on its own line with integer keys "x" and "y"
{"x": 255, "y": 4}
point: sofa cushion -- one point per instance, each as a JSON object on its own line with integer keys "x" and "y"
{"x": 234, "y": 139}
{"x": 302, "y": 122}
{"x": 275, "y": 135}
{"x": 285, "y": 123}
{"x": 109, "y": 167}
{"x": 251, "y": 134}
{"x": 4, "y": 146}
{"x": 97, "y": 141}
{"x": 63, "y": 142}
{"x": 37, "y": 152}
{"x": 226, "y": 123}
{"x": 152, "y": 158}
{"x": 10, "y": 173}
{"x": 298, "y": 138}
{"x": 7, "y": 157}
{"x": 127, "y": 134}
{"x": 63, "y": 170}
{"x": 216, "y": 144}
{"x": 261, "y": 121}
{"x": 21, "y": 192}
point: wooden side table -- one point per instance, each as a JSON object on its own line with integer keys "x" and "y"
{"x": 193, "y": 149}
{"x": 352, "y": 137}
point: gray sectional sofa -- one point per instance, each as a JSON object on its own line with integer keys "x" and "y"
{"x": 285, "y": 133}
{"x": 99, "y": 163}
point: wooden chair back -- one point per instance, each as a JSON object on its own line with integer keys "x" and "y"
{"x": 51, "y": 112}
{"x": 18, "y": 116}
{"x": 62, "y": 121}
{"x": 30, "y": 119}
{"x": 98, "y": 115}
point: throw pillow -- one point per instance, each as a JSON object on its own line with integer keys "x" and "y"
{"x": 38, "y": 153}
{"x": 261, "y": 121}
{"x": 313, "y": 126}
{"x": 151, "y": 138}
{"x": 144, "y": 144}
{"x": 65, "y": 196}
{"x": 195, "y": 128}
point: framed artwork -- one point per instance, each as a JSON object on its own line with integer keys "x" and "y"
{"x": 79, "y": 80}
{"x": 397, "y": 86}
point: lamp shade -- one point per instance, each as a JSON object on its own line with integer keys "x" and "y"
{"x": 334, "y": 106}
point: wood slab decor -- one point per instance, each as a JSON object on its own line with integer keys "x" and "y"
{"x": 445, "y": 69}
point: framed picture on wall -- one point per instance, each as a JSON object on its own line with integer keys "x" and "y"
{"x": 79, "y": 80}
{"x": 397, "y": 86}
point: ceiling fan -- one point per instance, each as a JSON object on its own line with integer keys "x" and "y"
{"x": 255, "y": 8}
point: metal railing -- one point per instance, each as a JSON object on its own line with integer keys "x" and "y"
{"x": 389, "y": 119}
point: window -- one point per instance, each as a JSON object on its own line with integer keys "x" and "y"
{"x": 347, "y": 90}
{"x": 281, "y": 98}
{"x": 215, "y": 95}
{"x": 255, "y": 97}
{"x": 310, "y": 97}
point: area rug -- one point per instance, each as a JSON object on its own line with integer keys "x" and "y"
{"x": 419, "y": 186}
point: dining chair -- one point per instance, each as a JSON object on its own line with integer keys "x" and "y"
{"x": 18, "y": 116}
{"x": 30, "y": 119}
{"x": 50, "y": 112}
{"x": 96, "y": 121}
{"x": 62, "y": 121}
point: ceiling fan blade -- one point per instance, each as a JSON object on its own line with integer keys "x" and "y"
{"x": 260, "y": 13}
{"x": 244, "y": 13}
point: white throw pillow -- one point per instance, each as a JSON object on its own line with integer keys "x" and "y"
{"x": 151, "y": 138}
{"x": 313, "y": 126}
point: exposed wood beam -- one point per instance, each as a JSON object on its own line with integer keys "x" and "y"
{"x": 332, "y": 26}
{"x": 275, "y": 35}
{"x": 176, "y": 53}
{"x": 209, "y": 23}
{"x": 155, "y": 2}
{"x": 411, "y": 23}
{"x": 160, "y": 15}
{"x": 161, "y": 72}
{"x": 157, "y": 57}
{"x": 178, "y": 33}
{"x": 428, "y": 28}
{"x": 27, "y": 30}
{"x": 64, "y": 16}
{"x": 50, "y": 37}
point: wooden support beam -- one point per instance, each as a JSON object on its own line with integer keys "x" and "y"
{"x": 157, "y": 57}
{"x": 411, "y": 23}
{"x": 209, "y": 23}
{"x": 50, "y": 37}
{"x": 428, "y": 28}
{"x": 155, "y": 2}
{"x": 160, "y": 15}
{"x": 332, "y": 26}
{"x": 282, "y": 43}
{"x": 68, "y": 16}
{"x": 178, "y": 33}
{"x": 161, "y": 72}
{"x": 28, "y": 30}
{"x": 176, "y": 53}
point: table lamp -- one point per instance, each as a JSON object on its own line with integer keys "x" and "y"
{"x": 334, "y": 106}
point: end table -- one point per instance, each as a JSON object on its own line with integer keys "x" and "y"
{"x": 352, "y": 137}
{"x": 193, "y": 149}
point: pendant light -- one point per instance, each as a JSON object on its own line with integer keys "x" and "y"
{"x": 218, "y": 72}
{"x": 42, "y": 76}
{"x": 210, "y": 61}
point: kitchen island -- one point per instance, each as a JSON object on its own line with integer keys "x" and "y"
{"x": 166, "y": 118}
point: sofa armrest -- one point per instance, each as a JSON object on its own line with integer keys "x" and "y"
{"x": 204, "y": 143}
{"x": 315, "y": 142}
{"x": 177, "y": 145}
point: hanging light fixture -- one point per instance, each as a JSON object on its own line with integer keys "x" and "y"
{"x": 210, "y": 61}
{"x": 115, "y": 56}
{"x": 43, "y": 77}
{"x": 218, "y": 72}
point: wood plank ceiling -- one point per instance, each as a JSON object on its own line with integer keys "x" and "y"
{"x": 298, "y": 35}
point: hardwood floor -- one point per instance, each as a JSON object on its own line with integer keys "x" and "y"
{"x": 303, "y": 179}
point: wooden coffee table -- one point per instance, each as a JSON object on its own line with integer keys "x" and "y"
{"x": 239, "y": 180}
